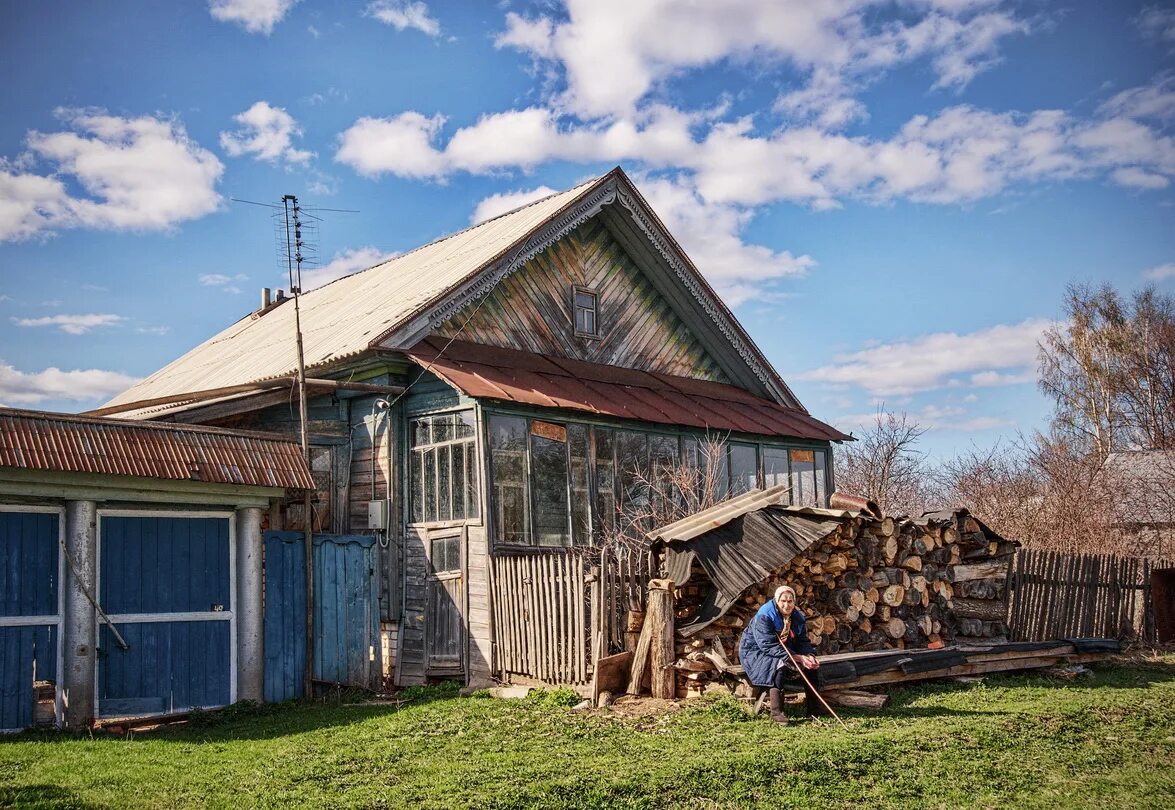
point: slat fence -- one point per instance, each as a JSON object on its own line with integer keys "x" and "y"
{"x": 541, "y": 617}
{"x": 1058, "y": 595}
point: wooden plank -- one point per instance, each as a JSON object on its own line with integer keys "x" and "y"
{"x": 612, "y": 672}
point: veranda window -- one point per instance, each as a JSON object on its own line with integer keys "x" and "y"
{"x": 443, "y": 468}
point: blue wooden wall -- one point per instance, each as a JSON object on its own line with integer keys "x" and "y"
{"x": 285, "y": 615}
{"x": 164, "y": 565}
{"x": 346, "y": 612}
{"x": 28, "y": 587}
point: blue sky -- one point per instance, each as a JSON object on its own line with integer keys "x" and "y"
{"x": 891, "y": 195}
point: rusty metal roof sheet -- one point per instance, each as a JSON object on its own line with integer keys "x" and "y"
{"x": 744, "y": 551}
{"x": 526, "y": 378}
{"x": 37, "y": 440}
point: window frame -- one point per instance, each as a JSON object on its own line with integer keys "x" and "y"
{"x": 474, "y": 464}
{"x": 576, "y": 291}
{"x": 682, "y": 435}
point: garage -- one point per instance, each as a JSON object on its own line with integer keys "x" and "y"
{"x": 131, "y": 565}
{"x": 165, "y": 581}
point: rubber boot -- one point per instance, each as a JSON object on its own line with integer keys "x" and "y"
{"x": 776, "y": 698}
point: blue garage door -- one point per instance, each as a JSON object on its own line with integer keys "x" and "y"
{"x": 29, "y": 612}
{"x": 166, "y": 583}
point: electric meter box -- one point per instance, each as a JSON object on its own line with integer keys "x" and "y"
{"x": 377, "y": 514}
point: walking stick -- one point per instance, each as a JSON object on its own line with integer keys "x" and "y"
{"x": 783, "y": 635}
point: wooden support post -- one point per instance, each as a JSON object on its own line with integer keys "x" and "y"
{"x": 635, "y": 620}
{"x": 654, "y": 649}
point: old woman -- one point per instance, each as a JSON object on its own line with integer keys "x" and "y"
{"x": 777, "y": 624}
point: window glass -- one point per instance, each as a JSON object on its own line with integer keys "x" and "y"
{"x": 821, "y": 479}
{"x": 605, "y": 446}
{"x": 632, "y": 462}
{"x": 508, "y": 475}
{"x": 445, "y": 554}
{"x": 581, "y": 523}
{"x": 441, "y": 486}
{"x": 664, "y": 458}
{"x": 585, "y": 312}
{"x": 774, "y": 466}
{"x": 744, "y": 468}
{"x": 472, "y": 509}
{"x": 803, "y": 477}
{"x": 549, "y": 483}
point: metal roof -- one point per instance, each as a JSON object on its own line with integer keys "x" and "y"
{"x": 556, "y": 382}
{"x": 345, "y": 317}
{"x": 37, "y": 440}
{"x": 744, "y": 551}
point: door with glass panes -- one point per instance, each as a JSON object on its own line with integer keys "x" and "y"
{"x": 444, "y": 631}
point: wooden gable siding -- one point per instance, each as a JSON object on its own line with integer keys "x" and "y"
{"x": 531, "y": 310}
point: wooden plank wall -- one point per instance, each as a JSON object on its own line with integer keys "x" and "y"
{"x": 1056, "y": 595}
{"x": 477, "y": 621}
{"x": 410, "y": 664}
{"x": 531, "y": 310}
{"x": 542, "y": 618}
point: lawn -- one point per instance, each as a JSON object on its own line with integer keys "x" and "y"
{"x": 1013, "y": 741}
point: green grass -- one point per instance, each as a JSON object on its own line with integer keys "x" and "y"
{"x": 1019, "y": 741}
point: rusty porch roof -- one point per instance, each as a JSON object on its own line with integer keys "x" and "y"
{"x": 38, "y": 440}
{"x": 525, "y": 378}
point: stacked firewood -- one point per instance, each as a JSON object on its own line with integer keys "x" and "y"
{"x": 871, "y": 584}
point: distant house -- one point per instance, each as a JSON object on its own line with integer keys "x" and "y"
{"x": 510, "y": 381}
{"x": 1142, "y": 483}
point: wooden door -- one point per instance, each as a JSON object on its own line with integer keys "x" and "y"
{"x": 444, "y": 632}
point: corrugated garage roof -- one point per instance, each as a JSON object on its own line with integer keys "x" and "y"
{"x": 556, "y": 382}
{"x": 343, "y": 318}
{"x": 36, "y": 440}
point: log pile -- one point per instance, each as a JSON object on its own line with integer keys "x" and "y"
{"x": 872, "y": 584}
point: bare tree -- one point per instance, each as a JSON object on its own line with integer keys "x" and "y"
{"x": 885, "y": 465}
{"x": 1110, "y": 370}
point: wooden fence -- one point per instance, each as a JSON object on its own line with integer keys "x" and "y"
{"x": 625, "y": 586}
{"x": 542, "y": 617}
{"x": 1056, "y": 595}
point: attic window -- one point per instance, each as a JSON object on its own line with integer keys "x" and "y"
{"x": 586, "y": 321}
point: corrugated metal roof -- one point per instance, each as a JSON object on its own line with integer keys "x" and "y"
{"x": 343, "y": 318}
{"x": 742, "y": 552}
{"x": 555, "y": 382}
{"x": 36, "y": 440}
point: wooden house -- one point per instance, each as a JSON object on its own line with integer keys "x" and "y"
{"x": 508, "y": 380}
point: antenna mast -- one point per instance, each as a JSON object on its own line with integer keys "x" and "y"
{"x": 293, "y": 216}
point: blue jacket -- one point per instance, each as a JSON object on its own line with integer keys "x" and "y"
{"x": 760, "y": 650}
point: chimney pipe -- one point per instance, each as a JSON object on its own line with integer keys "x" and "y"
{"x": 264, "y": 297}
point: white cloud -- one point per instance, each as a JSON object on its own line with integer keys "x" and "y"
{"x": 498, "y": 204}
{"x": 1157, "y": 22}
{"x": 267, "y": 133}
{"x": 344, "y": 264}
{"x": 403, "y": 14}
{"x": 1149, "y": 101}
{"x": 255, "y": 16}
{"x": 613, "y": 53}
{"x": 998, "y": 355}
{"x": 137, "y": 173}
{"x": 153, "y": 330}
{"x": 1133, "y": 177}
{"x": 401, "y": 145}
{"x": 27, "y": 388}
{"x": 937, "y": 418}
{"x": 72, "y": 324}
{"x": 959, "y": 155}
{"x": 711, "y": 235}
{"x": 226, "y": 283}
{"x": 1161, "y": 273}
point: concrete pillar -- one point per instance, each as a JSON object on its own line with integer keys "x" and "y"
{"x": 79, "y": 630}
{"x": 248, "y": 608}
